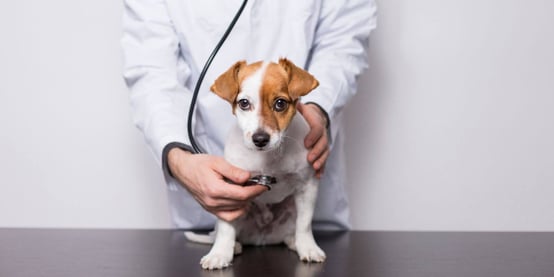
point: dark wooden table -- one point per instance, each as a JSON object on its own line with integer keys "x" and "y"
{"x": 159, "y": 253}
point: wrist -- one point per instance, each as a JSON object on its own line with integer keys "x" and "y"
{"x": 326, "y": 119}
{"x": 172, "y": 154}
{"x": 323, "y": 113}
{"x": 176, "y": 154}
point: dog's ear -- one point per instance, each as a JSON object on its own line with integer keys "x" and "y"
{"x": 227, "y": 85}
{"x": 300, "y": 81}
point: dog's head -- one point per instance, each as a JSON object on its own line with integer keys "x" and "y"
{"x": 264, "y": 96}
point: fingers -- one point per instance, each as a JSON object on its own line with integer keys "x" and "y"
{"x": 319, "y": 163}
{"x": 232, "y": 201}
{"x": 218, "y": 194}
{"x": 233, "y": 173}
{"x": 318, "y": 154}
{"x": 315, "y": 135}
{"x": 318, "y": 157}
{"x": 236, "y": 176}
{"x": 204, "y": 176}
{"x": 239, "y": 193}
{"x": 316, "y": 122}
{"x": 318, "y": 150}
{"x": 231, "y": 215}
{"x": 316, "y": 140}
{"x": 229, "y": 201}
{"x": 320, "y": 173}
{"x": 227, "y": 211}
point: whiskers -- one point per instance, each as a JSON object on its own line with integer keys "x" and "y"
{"x": 298, "y": 141}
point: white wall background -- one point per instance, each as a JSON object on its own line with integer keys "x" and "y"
{"x": 452, "y": 129}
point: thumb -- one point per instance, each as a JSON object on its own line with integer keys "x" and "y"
{"x": 231, "y": 172}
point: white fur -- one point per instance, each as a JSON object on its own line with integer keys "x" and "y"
{"x": 250, "y": 120}
{"x": 292, "y": 197}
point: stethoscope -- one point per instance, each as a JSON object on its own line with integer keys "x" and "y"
{"x": 264, "y": 180}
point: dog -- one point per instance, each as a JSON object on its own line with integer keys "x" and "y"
{"x": 268, "y": 141}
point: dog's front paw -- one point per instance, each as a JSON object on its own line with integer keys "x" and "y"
{"x": 310, "y": 253}
{"x": 216, "y": 261}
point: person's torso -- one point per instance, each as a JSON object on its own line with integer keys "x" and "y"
{"x": 266, "y": 30}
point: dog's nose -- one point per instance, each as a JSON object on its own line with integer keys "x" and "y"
{"x": 260, "y": 139}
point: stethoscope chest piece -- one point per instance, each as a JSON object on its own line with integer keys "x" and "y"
{"x": 264, "y": 180}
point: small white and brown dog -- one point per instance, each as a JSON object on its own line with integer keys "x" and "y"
{"x": 268, "y": 141}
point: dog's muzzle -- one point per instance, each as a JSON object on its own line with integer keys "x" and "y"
{"x": 260, "y": 139}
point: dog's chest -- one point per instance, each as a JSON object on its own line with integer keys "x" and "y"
{"x": 287, "y": 184}
{"x": 290, "y": 172}
{"x": 287, "y": 164}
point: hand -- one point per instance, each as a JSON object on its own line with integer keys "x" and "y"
{"x": 203, "y": 176}
{"x": 317, "y": 140}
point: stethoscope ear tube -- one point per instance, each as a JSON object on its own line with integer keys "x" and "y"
{"x": 197, "y": 149}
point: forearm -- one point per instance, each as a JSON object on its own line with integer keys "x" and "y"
{"x": 155, "y": 74}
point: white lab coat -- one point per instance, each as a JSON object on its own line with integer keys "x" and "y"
{"x": 166, "y": 43}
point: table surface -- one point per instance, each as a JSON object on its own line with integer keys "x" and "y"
{"x": 159, "y": 253}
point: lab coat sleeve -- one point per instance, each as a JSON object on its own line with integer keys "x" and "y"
{"x": 155, "y": 74}
{"x": 339, "y": 52}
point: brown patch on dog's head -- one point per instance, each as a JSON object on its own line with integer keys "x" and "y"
{"x": 283, "y": 84}
{"x": 249, "y": 70}
{"x": 275, "y": 93}
{"x": 227, "y": 85}
{"x": 268, "y": 95}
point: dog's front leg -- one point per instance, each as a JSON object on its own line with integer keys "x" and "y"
{"x": 221, "y": 254}
{"x": 306, "y": 247}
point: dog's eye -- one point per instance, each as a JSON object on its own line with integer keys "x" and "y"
{"x": 244, "y": 104}
{"x": 280, "y": 105}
